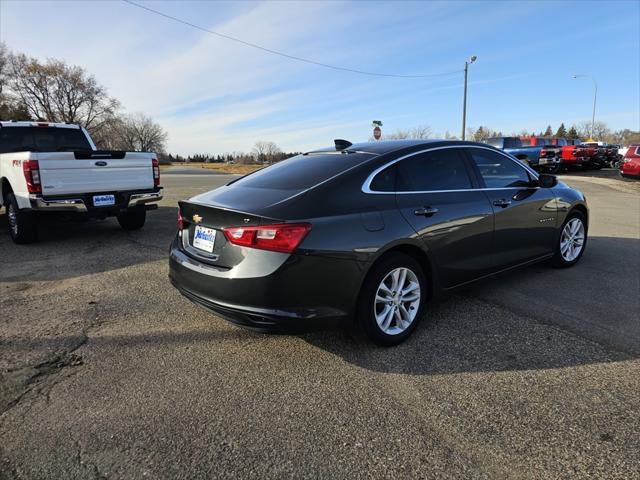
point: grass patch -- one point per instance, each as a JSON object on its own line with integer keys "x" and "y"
{"x": 236, "y": 169}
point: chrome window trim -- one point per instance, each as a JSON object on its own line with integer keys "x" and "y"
{"x": 366, "y": 186}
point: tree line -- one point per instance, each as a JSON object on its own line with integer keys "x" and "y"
{"x": 54, "y": 91}
{"x": 580, "y": 131}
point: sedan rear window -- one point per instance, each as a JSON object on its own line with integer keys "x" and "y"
{"x": 42, "y": 139}
{"x": 437, "y": 170}
{"x": 302, "y": 171}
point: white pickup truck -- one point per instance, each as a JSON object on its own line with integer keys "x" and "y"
{"x": 55, "y": 167}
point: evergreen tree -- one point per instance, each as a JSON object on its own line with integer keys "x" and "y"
{"x": 548, "y": 132}
{"x": 562, "y": 131}
{"x": 572, "y": 134}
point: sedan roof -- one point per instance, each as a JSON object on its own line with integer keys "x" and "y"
{"x": 388, "y": 146}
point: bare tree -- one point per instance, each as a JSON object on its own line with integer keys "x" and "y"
{"x": 57, "y": 92}
{"x": 418, "y": 133}
{"x": 600, "y": 130}
{"x": 11, "y": 108}
{"x": 265, "y": 151}
{"x": 135, "y": 132}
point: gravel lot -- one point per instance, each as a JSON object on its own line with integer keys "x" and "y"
{"x": 107, "y": 372}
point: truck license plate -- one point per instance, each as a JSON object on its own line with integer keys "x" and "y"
{"x": 104, "y": 200}
{"x": 204, "y": 238}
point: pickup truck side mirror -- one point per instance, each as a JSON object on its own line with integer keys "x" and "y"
{"x": 547, "y": 181}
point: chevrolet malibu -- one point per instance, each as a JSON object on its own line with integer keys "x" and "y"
{"x": 367, "y": 234}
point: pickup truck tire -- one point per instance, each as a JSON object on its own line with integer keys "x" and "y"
{"x": 23, "y": 225}
{"x": 132, "y": 219}
{"x": 565, "y": 258}
{"x": 554, "y": 169}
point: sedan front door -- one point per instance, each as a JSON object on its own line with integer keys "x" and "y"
{"x": 525, "y": 215}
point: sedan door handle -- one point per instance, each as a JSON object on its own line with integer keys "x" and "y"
{"x": 425, "y": 211}
{"x": 503, "y": 202}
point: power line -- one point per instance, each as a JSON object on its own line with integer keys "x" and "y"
{"x": 286, "y": 55}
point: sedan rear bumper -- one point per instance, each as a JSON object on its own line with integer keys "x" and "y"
{"x": 297, "y": 292}
{"x": 265, "y": 320}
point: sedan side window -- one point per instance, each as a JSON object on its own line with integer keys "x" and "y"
{"x": 432, "y": 171}
{"x": 499, "y": 171}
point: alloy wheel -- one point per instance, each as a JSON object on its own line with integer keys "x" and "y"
{"x": 397, "y": 301}
{"x": 572, "y": 240}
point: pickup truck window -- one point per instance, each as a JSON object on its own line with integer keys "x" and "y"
{"x": 512, "y": 143}
{"x": 42, "y": 139}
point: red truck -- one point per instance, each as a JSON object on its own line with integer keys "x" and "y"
{"x": 576, "y": 155}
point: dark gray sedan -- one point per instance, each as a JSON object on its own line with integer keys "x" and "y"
{"x": 367, "y": 234}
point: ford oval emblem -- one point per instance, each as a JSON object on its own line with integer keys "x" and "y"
{"x": 101, "y": 164}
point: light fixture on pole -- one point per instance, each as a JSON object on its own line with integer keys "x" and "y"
{"x": 464, "y": 102}
{"x": 595, "y": 95}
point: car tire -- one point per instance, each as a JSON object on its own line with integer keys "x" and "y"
{"x": 390, "y": 321}
{"x": 132, "y": 219}
{"x": 572, "y": 241}
{"x": 23, "y": 224}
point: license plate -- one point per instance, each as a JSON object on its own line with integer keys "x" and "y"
{"x": 204, "y": 238}
{"x": 543, "y": 161}
{"x": 104, "y": 200}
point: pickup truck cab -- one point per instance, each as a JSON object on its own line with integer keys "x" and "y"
{"x": 55, "y": 167}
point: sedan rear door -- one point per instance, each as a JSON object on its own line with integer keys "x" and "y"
{"x": 437, "y": 195}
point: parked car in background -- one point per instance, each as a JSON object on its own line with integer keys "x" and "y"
{"x": 622, "y": 151}
{"x": 630, "y": 166}
{"x": 55, "y": 167}
{"x": 538, "y": 154}
{"x": 602, "y": 158}
{"x": 574, "y": 155}
{"x": 369, "y": 233}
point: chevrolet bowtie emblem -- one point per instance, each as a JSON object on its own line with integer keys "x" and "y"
{"x": 197, "y": 218}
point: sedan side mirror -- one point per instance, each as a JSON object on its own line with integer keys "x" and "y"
{"x": 547, "y": 181}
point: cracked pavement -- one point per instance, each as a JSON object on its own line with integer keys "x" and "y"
{"x": 107, "y": 372}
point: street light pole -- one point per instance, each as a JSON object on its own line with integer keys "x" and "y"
{"x": 464, "y": 101}
{"x": 595, "y": 96}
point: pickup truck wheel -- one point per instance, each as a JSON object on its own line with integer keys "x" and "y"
{"x": 23, "y": 225}
{"x": 132, "y": 219}
{"x": 554, "y": 169}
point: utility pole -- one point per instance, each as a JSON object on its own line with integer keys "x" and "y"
{"x": 595, "y": 95}
{"x": 464, "y": 101}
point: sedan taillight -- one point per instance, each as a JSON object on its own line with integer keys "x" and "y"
{"x": 31, "y": 171}
{"x": 180, "y": 221}
{"x": 284, "y": 237}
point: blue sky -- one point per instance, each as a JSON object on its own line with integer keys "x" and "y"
{"x": 214, "y": 95}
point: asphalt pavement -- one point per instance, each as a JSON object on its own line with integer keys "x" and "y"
{"x": 107, "y": 372}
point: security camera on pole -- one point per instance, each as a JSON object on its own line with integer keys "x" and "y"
{"x": 377, "y": 131}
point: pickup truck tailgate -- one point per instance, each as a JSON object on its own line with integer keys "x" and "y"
{"x": 62, "y": 173}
